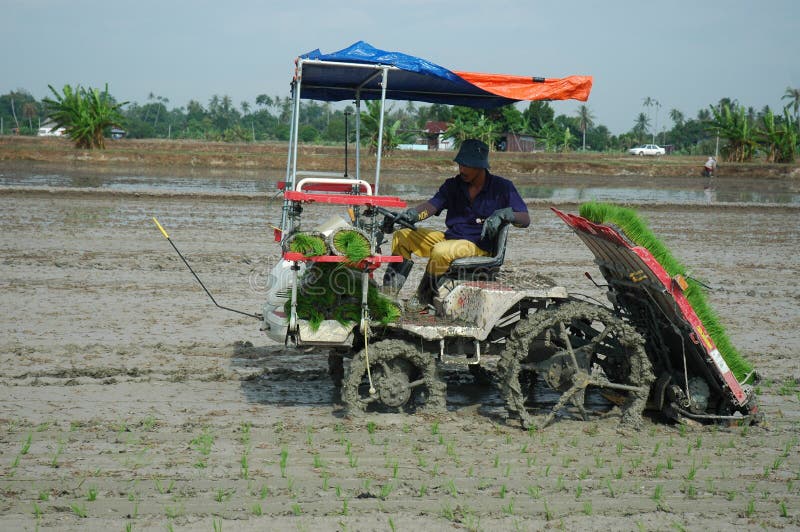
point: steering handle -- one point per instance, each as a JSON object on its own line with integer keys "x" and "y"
{"x": 394, "y": 217}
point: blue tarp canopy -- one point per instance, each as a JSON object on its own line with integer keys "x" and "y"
{"x": 328, "y": 77}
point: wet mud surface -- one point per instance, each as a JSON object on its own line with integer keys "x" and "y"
{"x": 127, "y": 397}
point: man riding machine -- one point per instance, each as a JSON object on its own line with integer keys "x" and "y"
{"x": 478, "y": 205}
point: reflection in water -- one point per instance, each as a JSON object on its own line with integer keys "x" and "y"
{"x": 688, "y": 191}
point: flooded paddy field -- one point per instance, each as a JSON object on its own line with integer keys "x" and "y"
{"x": 127, "y": 398}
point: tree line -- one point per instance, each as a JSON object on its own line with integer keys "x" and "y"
{"x": 740, "y": 133}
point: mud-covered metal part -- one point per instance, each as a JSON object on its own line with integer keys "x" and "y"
{"x": 575, "y": 346}
{"x": 404, "y": 379}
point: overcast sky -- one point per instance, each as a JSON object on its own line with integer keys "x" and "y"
{"x": 686, "y": 54}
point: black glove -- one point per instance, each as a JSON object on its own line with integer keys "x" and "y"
{"x": 410, "y": 216}
{"x": 491, "y": 225}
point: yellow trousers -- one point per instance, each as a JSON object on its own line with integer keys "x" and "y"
{"x": 430, "y": 243}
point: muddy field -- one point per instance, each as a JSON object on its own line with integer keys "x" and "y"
{"x": 129, "y": 402}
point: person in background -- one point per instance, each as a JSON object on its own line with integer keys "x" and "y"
{"x": 477, "y": 202}
{"x": 710, "y": 166}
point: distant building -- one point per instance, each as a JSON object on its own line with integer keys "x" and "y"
{"x": 47, "y": 130}
{"x": 517, "y": 143}
{"x": 117, "y": 133}
{"x": 434, "y": 133}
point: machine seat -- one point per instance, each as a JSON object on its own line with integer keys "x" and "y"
{"x": 481, "y": 268}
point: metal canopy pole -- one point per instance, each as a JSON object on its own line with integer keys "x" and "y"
{"x": 380, "y": 129}
{"x": 289, "y": 178}
{"x": 358, "y": 134}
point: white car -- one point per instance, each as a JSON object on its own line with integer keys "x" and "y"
{"x": 647, "y": 149}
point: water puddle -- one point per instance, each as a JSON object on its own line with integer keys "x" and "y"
{"x": 553, "y": 188}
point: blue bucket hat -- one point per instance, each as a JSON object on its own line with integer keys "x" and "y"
{"x": 473, "y": 153}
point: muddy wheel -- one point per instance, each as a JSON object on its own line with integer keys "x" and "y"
{"x": 573, "y": 347}
{"x": 403, "y": 378}
{"x": 336, "y": 367}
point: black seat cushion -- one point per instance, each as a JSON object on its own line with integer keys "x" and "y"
{"x": 481, "y": 268}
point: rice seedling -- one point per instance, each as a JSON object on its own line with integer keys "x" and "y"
{"x": 172, "y": 512}
{"x": 611, "y": 492}
{"x": 224, "y": 494}
{"x": 345, "y": 509}
{"x": 257, "y": 510}
{"x": 91, "y": 495}
{"x": 587, "y": 508}
{"x": 353, "y": 460}
{"x": 44, "y": 495}
{"x": 395, "y": 468}
{"x": 535, "y": 491}
{"x": 618, "y": 473}
{"x": 149, "y": 423}
{"x": 496, "y": 460}
{"x": 692, "y": 471}
{"x": 217, "y": 524}
{"x": 447, "y": 512}
{"x": 658, "y": 494}
{"x": 78, "y": 509}
{"x": 421, "y": 461}
{"x": 691, "y": 492}
{"x": 451, "y": 488}
{"x": 371, "y": 426}
{"x": 784, "y": 512}
{"x": 503, "y": 491}
{"x": 578, "y": 491}
{"x": 507, "y": 472}
{"x": 423, "y": 490}
{"x": 160, "y": 488}
{"x": 26, "y": 445}
{"x": 548, "y": 515}
{"x": 560, "y": 483}
{"x": 37, "y": 511}
{"x": 57, "y": 454}
{"x": 750, "y": 509}
{"x": 509, "y": 509}
{"x": 386, "y": 489}
{"x": 655, "y": 449}
{"x": 244, "y": 464}
{"x": 297, "y": 509}
{"x": 283, "y": 461}
{"x": 318, "y": 463}
{"x": 619, "y": 448}
{"x": 264, "y": 492}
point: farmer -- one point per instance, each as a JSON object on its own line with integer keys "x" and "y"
{"x": 477, "y": 202}
{"x": 709, "y": 167}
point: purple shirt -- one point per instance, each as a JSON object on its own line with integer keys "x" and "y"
{"x": 463, "y": 215}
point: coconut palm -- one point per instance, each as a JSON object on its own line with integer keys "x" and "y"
{"x": 640, "y": 126}
{"x": 793, "y": 95}
{"x": 84, "y": 114}
{"x": 652, "y": 102}
{"x": 585, "y": 121}
{"x": 676, "y": 117}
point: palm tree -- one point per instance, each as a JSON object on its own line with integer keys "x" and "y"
{"x": 640, "y": 126}
{"x": 585, "y": 120}
{"x": 676, "y": 117}
{"x": 793, "y": 95}
{"x": 652, "y": 102}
